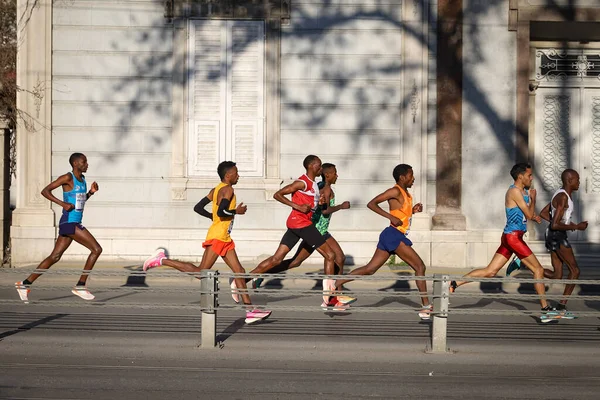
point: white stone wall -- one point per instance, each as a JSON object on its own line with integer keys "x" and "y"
{"x": 489, "y": 115}
{"x": 112, "y": 72}
{"x": 342, "y": 97}
{"x": 489, "y": 112}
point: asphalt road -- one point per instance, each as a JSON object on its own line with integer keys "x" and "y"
{"x": 142, "y": 341}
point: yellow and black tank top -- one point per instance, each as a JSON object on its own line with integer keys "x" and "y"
{"x": 221, "y": 226}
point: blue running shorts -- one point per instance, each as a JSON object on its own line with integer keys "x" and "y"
{"x": 390, "y": 239}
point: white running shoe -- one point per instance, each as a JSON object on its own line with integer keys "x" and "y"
{"x": 155, "y": 259}
{"x": 82, "y": 292}
{"x": 425, "y": 312}
{"x": 234, "y": 292}
{"x": 23, "y": 292}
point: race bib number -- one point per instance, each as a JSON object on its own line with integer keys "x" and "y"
{"x": 80, "y": 199}
{"x": 230, "y": 227}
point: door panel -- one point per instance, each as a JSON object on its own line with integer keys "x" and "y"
{"x": 557, "y": 141}
{"x": 589, "y": 192}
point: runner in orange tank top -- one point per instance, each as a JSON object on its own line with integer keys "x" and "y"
{"x": 218, "y": 241}
{"x": 393, "y": 239}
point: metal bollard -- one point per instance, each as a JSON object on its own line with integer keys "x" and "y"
{"x": 209, "y": 301}
{"x": 441, "y": 294}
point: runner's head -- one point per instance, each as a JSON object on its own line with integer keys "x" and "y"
{"x": 78, "y": 161}
{"x": 523, "y": 173}
{"x": 312, "y": 164}
{"x": 403, "y": 175}
{"x": 329, "y": 173}
{"x": 570, "y": 179}
{"x": 228, "y": 172}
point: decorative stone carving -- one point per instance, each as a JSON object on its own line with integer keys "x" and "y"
{"x": 414, "y": 101}
{"x": 178, "y": 193}
{"x": 38, "y": 95}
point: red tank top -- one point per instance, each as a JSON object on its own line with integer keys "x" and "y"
{"x": 309, "y": 196}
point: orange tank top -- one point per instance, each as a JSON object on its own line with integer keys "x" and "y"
{"x": 405, "y": 213}
{"x": 221, "y": 226}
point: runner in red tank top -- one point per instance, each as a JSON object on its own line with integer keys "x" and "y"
{"x": 305, "y": 198}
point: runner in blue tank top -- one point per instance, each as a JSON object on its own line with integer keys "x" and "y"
{"x": 75, "y": 195}
{"x": 519, "y": 203}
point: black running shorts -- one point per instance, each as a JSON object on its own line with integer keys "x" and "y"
{"x": 555, "y": 239}
{"x": 310, "y": 234}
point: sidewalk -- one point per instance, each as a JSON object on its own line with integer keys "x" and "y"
{"x": 130, "y": 273}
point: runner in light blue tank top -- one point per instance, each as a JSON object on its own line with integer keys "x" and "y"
{"x": 515, "y": 219}
{"x": 77, "y": 196}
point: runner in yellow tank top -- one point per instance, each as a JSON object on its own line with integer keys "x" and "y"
{"x": 221, "y": 226}
{"x": 218, "y": 241}
{"x": 393, "y": 239}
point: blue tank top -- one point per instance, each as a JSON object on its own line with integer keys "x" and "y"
{"x": 77, "y": 196}
{"x": 515, "y": 219}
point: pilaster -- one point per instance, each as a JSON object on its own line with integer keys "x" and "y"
{"x": 32, "y": 231}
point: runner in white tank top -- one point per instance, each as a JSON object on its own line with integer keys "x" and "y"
{"x": 558, "y": 212}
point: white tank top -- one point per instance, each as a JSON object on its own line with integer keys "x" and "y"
{"x": 566, "y": 218}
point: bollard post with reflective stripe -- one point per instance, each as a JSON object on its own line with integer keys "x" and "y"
{"x": 209, "y": 301}
{"x": 441, "y": 294}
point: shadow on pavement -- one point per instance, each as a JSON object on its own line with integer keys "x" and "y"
{"x": 31, "y": 325}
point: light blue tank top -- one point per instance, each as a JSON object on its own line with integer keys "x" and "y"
{"x": 77, "y": 197}
{"x": 515, "y": 219}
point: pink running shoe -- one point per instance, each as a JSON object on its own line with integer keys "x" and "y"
{"x": 155, "y": 259}
{"x": 257, "y": 315}
{"x": 23, "y": 292}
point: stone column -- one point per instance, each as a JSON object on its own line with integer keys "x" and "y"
{"x": 414, "y": 85}
{"x": 33, "y": 231}
{"x": 448, "y": 215}
{"x": 4, "y": 180}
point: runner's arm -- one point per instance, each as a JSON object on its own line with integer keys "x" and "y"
{"x": 289, "y": 189}
{"x": 47, "y": 191}
{"x": 373, "y": 205}
{"x": 331, "y": 209}
{"x": 556, "y": 223}
{"x": 200, "y": 207}
{"x": 327, "y": 209}
{"x": 515, "y": 195}
{"x": 545, "y": 213}
{"x": 92, "y": 190}
{"x": 224, "y": 199}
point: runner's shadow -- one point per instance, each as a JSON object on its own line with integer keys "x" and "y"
{"x": 591, "y": 290}
{"x": 31, "y": 325}
{"x": 137, "y": 277}
{"x": 490, "y": 288}
{"x": 119, "y": 296}
{"x": 399, "y": 300}
{"x": 399, "y": 285}
{"x": 230, "y": 330}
